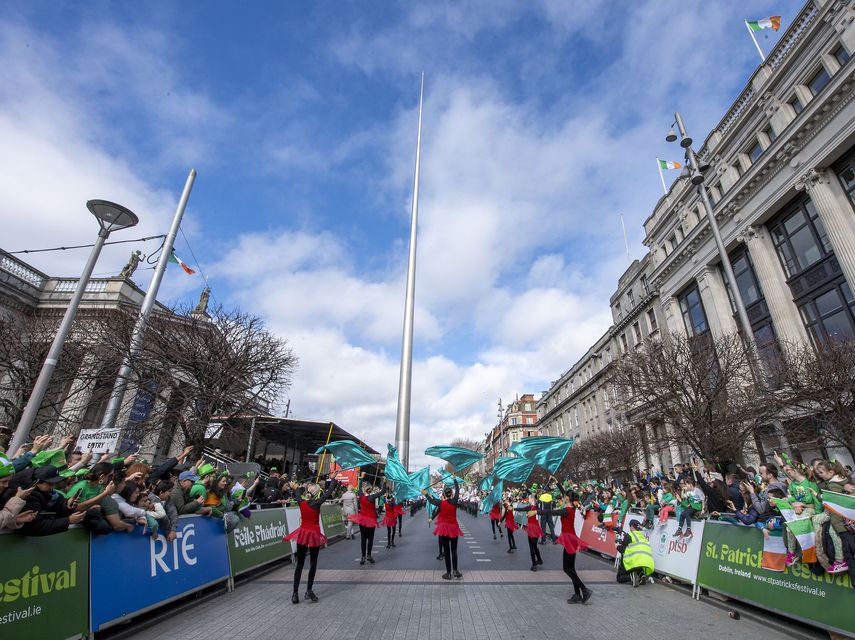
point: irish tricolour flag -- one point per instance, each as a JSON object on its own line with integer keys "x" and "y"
{"x": 774, "y": 551}
{"x": 772, "y": 22}
{"x": 840, "y": 504}
{"x": 801, "y": 528}
{"x": 175, "y": 259}
{"x": 667, "y": 164}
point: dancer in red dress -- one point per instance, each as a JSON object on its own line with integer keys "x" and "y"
{"x": 308, "y": 537}
{"x": 571, "y": 542}
{"x": 366, "y": 519}
{"x": 496, "y": 520}
{"x": 447, "y": 528}
{"x": 510, "y": 525}
{"x": 390, "y": 520}
{"x": 533, "y": 531}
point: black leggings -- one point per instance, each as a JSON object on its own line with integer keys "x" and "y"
{"x": 390, "y": 535}
{"x": 400, "y": 523}
{"x": 366, "y": 539}
{"x": 512, "y": 544}
{"x": 570, "y": 570}
{"x": 534, "y": 551}
{"x": 496, "y": 524}
{"x": 449, "y": 550}
{"x": 301, "y": 560}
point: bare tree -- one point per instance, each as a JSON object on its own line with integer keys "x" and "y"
{"x": 818, "y": 381}
{"x": 463, "y": 443}
{"x": 221, "y": 364}
{"x": 701, "y": 387}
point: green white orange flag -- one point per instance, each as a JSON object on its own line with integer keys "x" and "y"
{"x": 840, "y": 504}
{"x": 801, "y": 528}
{"x": 772, "y": 22}
{"x": 667, "y": 164}
{"x": 774, "y": 551}
{"x": 176, "y": 260}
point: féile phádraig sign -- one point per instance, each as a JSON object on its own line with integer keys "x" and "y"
{"x": 258, "y": 540}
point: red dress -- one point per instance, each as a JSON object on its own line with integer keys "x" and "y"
{"x": 510, "y": 524}
{"x": 392, "y": 512}
{"x": 367, "y": 516}
{"x": 533, "y": 529}
{"x": 494, "y": 513}
{"x": 568, "y": 538}
{"x": 446, "y": 521}
{"x": 308, "y": 533}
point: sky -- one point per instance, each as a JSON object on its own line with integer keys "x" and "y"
{"x": 542, "y": 122}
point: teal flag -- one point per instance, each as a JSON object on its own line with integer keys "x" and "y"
{"x": 421, "y": 478}
{"x": 458, "y": 457}
{"x": 513, "y": 469}
{"x": 406, "y": 491}
{"x": 449, "y": 478}
{"x": 431, "y": 508}
{"x": 545, "y": 451}
{"x": 486, "y": 484}
{"x": 493, "y": 498}
{"x": 394, "y": 469}
{"x": 348, "y": 454}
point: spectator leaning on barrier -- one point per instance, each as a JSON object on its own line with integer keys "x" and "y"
{"x": 53, "y": 513}
{"x": 184, "y": 503}
{"x": 12, "y": 516}
{"x": 161, "y": 493}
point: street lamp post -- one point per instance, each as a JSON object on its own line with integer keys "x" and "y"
{"x": 697, "y": 178}
{"x": 111, "y": 217}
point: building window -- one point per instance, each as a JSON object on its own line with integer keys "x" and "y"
{"x": 830, "y": 314}
{"x": 645, "y": 285}
{"x": 754, "y": 151}
{"x": 618, "y": 311}
{"x": 800, "y": 239}
{"x": 796, "y": 104}
{"x": 746, "y": 280}
{"x": 693, "y": 312}
{"x": 609, "y": 353}
{"x": 841, "y": 55}
{"x": 636, "y": 329}
{"x": 623, "y": 343}
{"x": 845, "y": 170}
{"x": 818, "y": 81}
{"x": 715, "y": 194}
{"x": 651, "y": 320}
{"x": 770, "y": 133}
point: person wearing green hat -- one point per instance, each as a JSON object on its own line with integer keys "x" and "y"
{"x": 53, "y": 513}
{"x": 206, "y": 479}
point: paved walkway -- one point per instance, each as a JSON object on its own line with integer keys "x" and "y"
{"x": 403, "y": 597}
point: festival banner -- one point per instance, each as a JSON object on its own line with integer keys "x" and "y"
{"x": 44, "y": 585}
{"x": 730, "y": 563}
{"x": 598, "y": 537}
{"x": 331, "y": 520}
{"x": 675, "y": 557}
{"x": 154, "y": 572}
{"x": 257, "y": 541}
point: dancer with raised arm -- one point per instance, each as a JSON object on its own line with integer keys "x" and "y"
{"x": 570, "y": 541}
{"x": 447, "y": 528}
{"x": 366, "y": 518}
{"x": 390, "y": 520}
{"x": 510, "y": 525}
{"x": 308, "y": 536}
{"x": 533, "y": 530}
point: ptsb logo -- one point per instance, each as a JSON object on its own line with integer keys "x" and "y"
{"x": 166, "y": 557}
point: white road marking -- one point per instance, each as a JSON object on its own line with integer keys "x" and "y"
{"x": 483, "y": 560}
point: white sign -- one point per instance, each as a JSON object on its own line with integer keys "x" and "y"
{"x": 98, "y": 440}
{"x": 675, "y": 557}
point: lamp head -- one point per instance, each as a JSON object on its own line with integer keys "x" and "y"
{"x": 112, "y": 216}
{"x": 686, "y": 142}
{"x": 697, "y": 178}
{"x": 672, "y": 136}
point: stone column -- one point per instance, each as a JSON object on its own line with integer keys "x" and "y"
{"x": 673, "y": 317}
{"x": 79, "y": 395}
{"x": 836, "y": 214}
{"x": 772, "y": 280}
{"x": 716, "y": 302}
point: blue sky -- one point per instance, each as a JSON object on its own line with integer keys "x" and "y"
{"x": 542, "y": 121}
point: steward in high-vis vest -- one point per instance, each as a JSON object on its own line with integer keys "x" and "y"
{"x": 636, "y": 556}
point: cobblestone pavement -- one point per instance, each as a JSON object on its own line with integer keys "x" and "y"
{"x": 402, "y": 596}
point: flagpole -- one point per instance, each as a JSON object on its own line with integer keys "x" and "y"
{"x": 625, "y": 242}
{"x": 756, "y": 44}
{"x": 121, "y": 384}
{"x": 661, "y": 177}
{"x": 405, "y": 381}
{"x": 323, "y": 457}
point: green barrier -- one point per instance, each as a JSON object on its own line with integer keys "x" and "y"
{"x": 730, "y": 564}
{"x": 258, "y": 540}
{"x": 331, "y": 520}
{"x": 44, "y": 586}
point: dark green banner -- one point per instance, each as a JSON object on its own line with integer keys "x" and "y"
{"x": 258, "y": 540}
{"x": 730, "y": 564}
{"x": 331, "y": 520}
{"x": 44, "y": 586}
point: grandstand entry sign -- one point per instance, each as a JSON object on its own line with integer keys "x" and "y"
{"x": 98, "y": 440}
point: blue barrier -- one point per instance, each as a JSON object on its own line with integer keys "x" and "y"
{"x": 130, "y": 575}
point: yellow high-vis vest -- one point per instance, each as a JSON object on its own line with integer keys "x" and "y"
{"x": 638, "y": 553}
